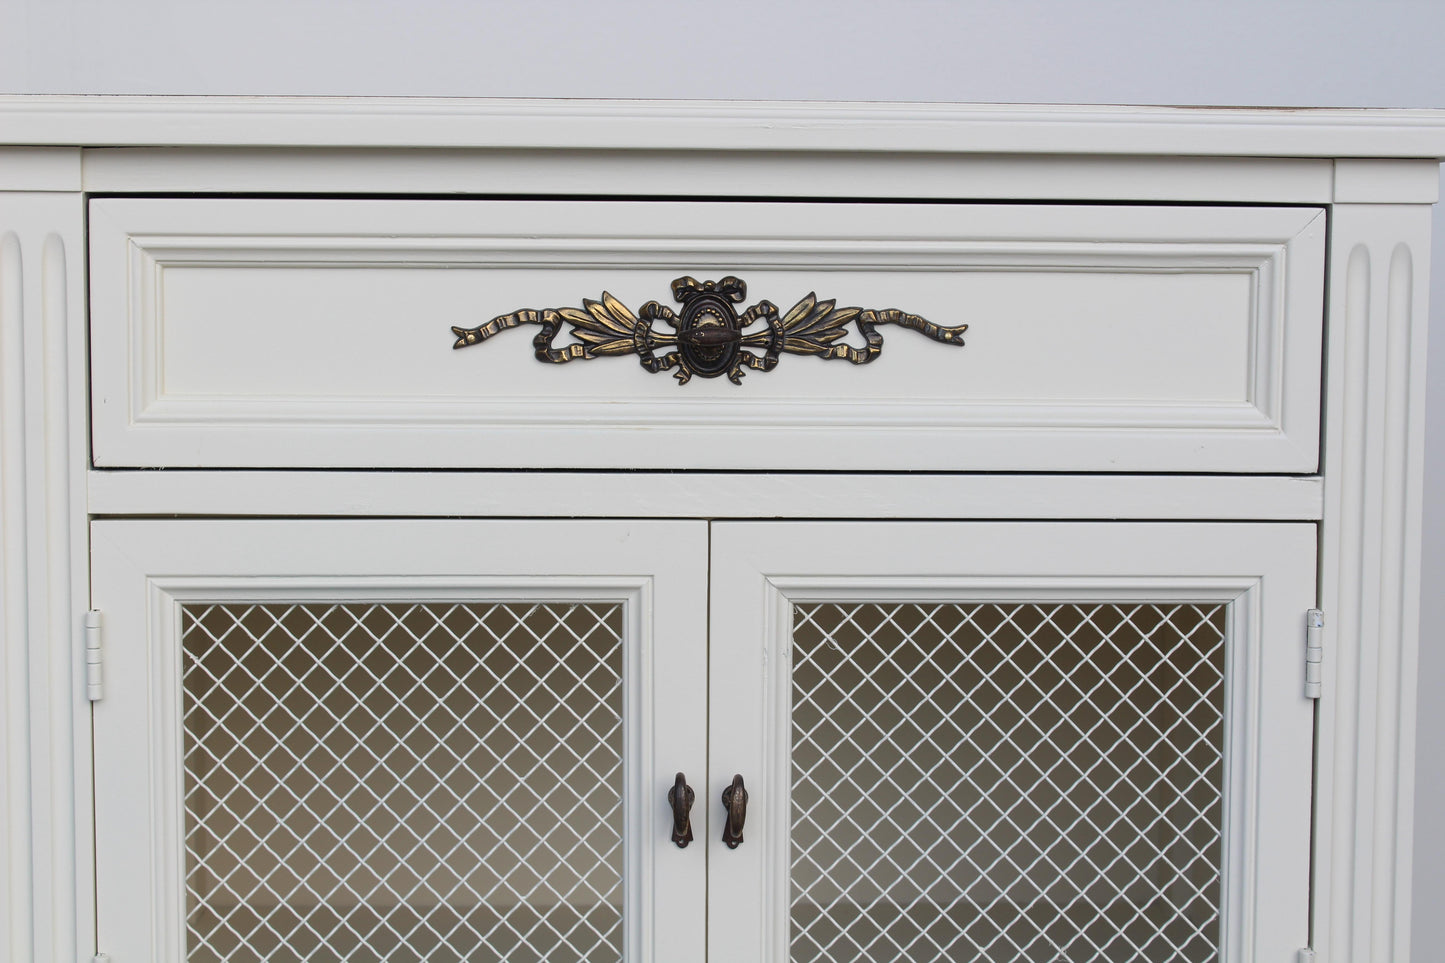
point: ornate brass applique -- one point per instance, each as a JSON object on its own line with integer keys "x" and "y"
{"x": 709, "y": 337}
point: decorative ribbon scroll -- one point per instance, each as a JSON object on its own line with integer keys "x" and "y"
{"x": 708, "y": 337}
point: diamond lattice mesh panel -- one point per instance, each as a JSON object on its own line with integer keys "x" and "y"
{"x": 1007, "y": 782}
{"x": 403, "y": 781}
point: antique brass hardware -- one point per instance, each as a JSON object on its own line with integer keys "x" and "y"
{"x": 680, "y": 798}
{"x": 735, "y": 801}
{"x": 709, "y": 337}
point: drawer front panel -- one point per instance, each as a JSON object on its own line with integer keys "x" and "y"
{"x": 317, "y": 333}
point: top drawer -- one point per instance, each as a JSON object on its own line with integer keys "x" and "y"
{"x": 317, "y": 333}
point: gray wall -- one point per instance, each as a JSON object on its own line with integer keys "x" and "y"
{"x": 1375, "y": 53}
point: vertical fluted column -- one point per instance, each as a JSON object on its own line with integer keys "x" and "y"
{"x": 42, "y": 561}
{"x": 1369, "y": 579}
{"x": 19, "y": 942}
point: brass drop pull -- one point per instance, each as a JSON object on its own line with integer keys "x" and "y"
{"x": 680, "y": 798}
{"x": 735, "y": 801}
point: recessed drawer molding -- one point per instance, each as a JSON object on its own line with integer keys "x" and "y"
{"x": 710, "y": 338}
{"x": 304, "y": 333}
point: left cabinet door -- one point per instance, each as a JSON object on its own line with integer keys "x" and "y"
{"x": 399, "y": 740}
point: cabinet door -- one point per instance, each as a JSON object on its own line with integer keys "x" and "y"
{"x": 1011, "y": 741}
{"x": 375, "y": 740}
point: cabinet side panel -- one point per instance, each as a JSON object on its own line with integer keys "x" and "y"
{"x": 15, "y": 886}
{"x": 1370, "y": 580}
{"x": 42, "y": 472}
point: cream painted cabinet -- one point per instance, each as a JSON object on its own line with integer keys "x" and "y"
{"x": 976, "y": 533}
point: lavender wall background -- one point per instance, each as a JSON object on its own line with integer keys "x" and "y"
{"x": 1372, "y": 53}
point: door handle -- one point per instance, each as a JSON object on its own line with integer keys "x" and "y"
{"x": 735, "y": 801}
{"x": 680, "y": 798}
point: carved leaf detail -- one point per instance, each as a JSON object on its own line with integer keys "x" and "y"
{"x": 605, "y": 326}
{"x": 810, "y": 326}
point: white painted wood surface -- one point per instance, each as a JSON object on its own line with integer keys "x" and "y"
{"x": 1366, "y": 497}
{"x": 728, "y": 125}
{"x": 1370, "y": 580}
{"x": 44, "y": 731}
{"x": 779, "y": 174}
{"x": 1377, "y": 181}
{"x": 145, "y": 570}
{"x": 39, "y": 169}
{"x": 639, "y": 494}
{"x": 1265, "y": 573}
{"x": 231, "y": 333}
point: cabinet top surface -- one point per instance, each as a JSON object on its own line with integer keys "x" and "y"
{"x": 130, "y": 121}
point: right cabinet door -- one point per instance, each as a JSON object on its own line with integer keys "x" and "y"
{"x": 1011, "y": 741}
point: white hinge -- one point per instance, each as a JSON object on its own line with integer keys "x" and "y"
{"x": 1314, "y": 652}
{"x": 94, "y": 683}
{"x": 1306, "y": 955}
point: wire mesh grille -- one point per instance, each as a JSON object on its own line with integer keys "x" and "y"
{"x": 402, "y": 781}
{"x": 1007, "y": 782}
